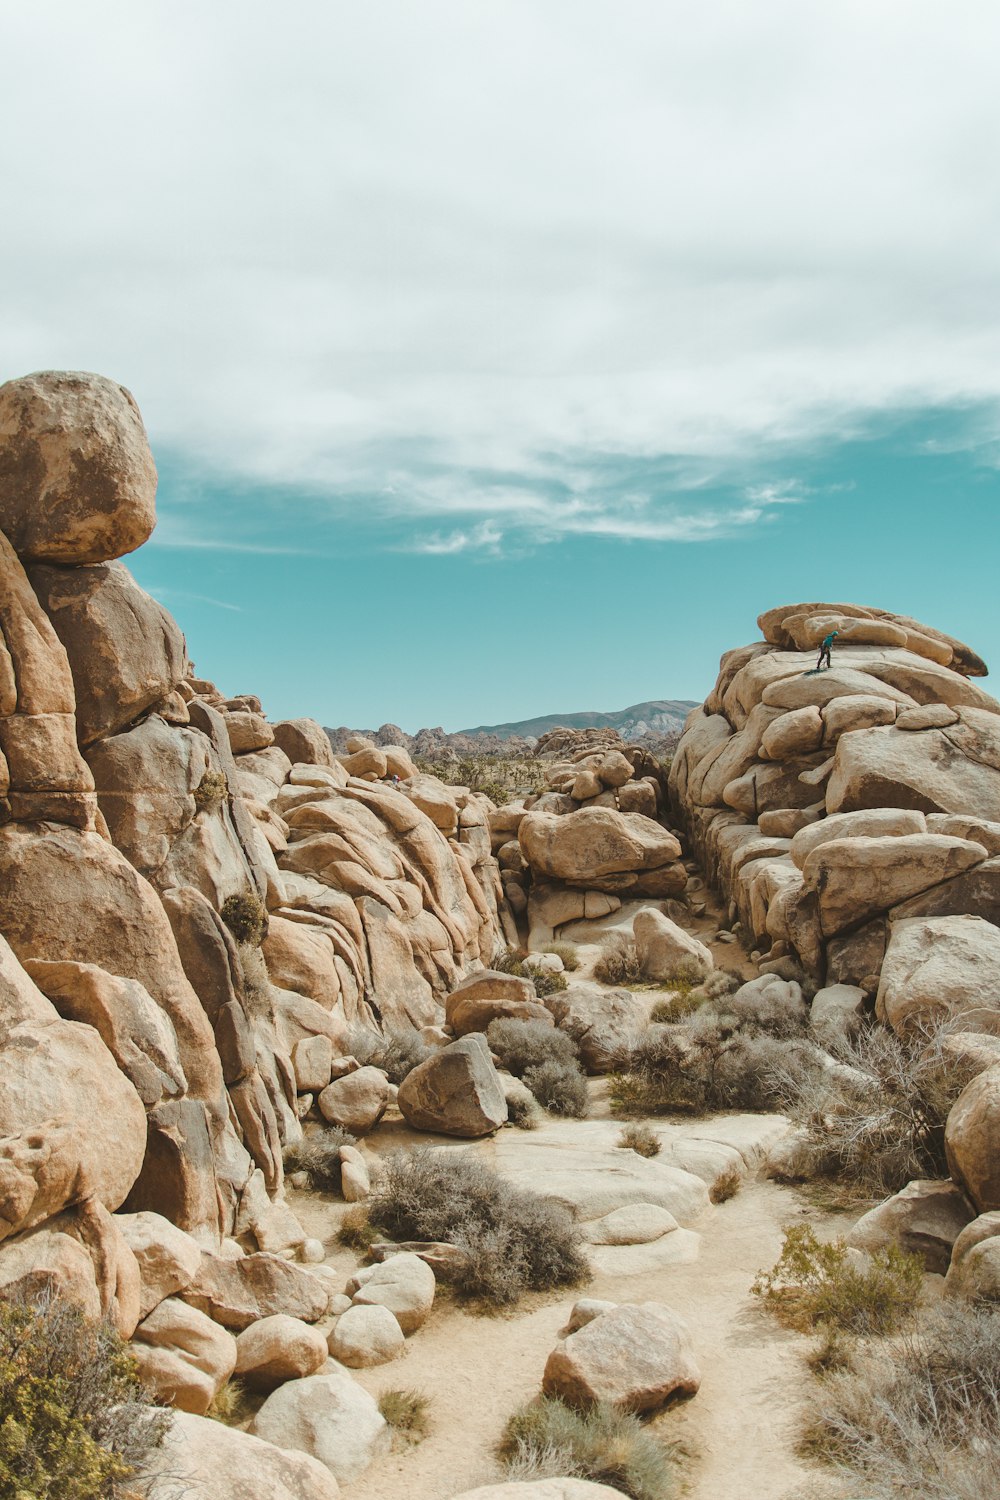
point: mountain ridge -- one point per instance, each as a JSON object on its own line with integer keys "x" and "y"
{"x": 654, "y": 716}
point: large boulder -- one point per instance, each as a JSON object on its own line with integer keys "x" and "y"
{"x": 357, "y": 1101}
{"x": 638, "y": 1357}
{"x": 239, "y": 1292}
{"x": 489, "y": 996}
{"x": 277, "y": 1349}
{"x": 604, "y": 1024}
{"x": 329, "y": 1417}
{"x": 974, "y": 1272}
{"x": 404, "y": 1284}
{"x": 183, "y": 1357}
{"x": 364, "y": 1336}
{"x": 597, "y": 847}
{"x": 77, "y": 479}
{"x": 168, "y": 1259}
{"x": 304, "y": 741}
{"x": 941, "y": 968}
{"x": 972, "y": 1140}
{"x": 856, "y": 878}
{"x": 666, "y": 951}
{"x": 213, "y": 1462}
{"x": 924, "y": 1219}
{"x": 455, "y": 1092}
{"x": 935, "y": 770}
{"x": 125, "y": 651}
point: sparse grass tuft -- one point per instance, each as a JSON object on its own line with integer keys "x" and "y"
{"x": 230, "y": 1405}
{"x": 75, "y": 1422}
{"x": 246, "y": 917}
{"x": 356, "y": 1230}
{"x": 619, "y": 963}
{"x": 318, "y": 1155}
{"x": 726, "y": 1186}
{"x": 685, "y": 998}
{"x": 567, "y": 952}
{"x": 816, "y": 1283}
{"x": 407, "y": 1412}
{"x": 640, "y": 1138}
{"x": 514, "y": 1241}
{"x": 547, "y": 1439}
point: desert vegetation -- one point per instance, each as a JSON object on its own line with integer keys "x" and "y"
{"x": 547, "y": 1062}
{"x": 547, "y": 1439}
{"x": 396, "y": 1051}
{"x": 546, "y": 981}
{"x": 822, "y": 1284}
{"x": 407, "y": 1413}
{"x": 318, "y": 1156}
{"x": 619, "y": 963}
{"x": 500, "y": 777}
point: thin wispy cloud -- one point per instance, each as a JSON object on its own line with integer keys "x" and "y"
{"x": 175, "y": 596}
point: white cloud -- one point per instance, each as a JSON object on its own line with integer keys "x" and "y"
{"x": 485, "y": 537}
{"x": 526, "y": 233}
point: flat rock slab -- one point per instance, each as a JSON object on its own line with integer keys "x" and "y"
{"x": 678, "y": 1249}
{"x": 638, "y": 1224}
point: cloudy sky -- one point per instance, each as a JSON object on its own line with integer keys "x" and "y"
{"x": 509, "y": 356}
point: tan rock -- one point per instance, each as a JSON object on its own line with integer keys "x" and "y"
{"x": 77, "y": 480}
{"x": 666, "y": 951}
{"x": 937, "y": 770}
{"x": 237, "y": 1293}
{"x": 183, "y": 1357}
{"x": 304, "y": 741}
{"x": 404, "y": 1284}
{"x": 542, "y": 1489}
{"x": 488, "y": 996}
{"x": 972, "y": 1140}
{"x": 941, "y": 967}
{"x": 168, "y": 1259}
{"x": 358, "y": 1101}
{"x": 927, "y": 716}
{"x": 796, "y": 733}
{"x": 636, "y": 1357}
{"x": 593, "y": 843}
{"x": 925, "y": 1219}
{"x": 857, "y": 711}
{"x": 50, "y": 1262}
{"x": 248, "y": 732}
{"x": 125, "y": 651}
{"x": 365, "y": 1336}
{"x": 215, "y": 1462}
{"x": 277, "y": 1349}
{"x": 855, "y": 878}
{"x": 882, "y": 822}
{"x": 605, "y": 1024}
{"x": 328, "y": 1416}
{"x": 615, "y": 769}
{"x": 455, "y": 1092}
{"x": 974, "y": 1272}
{"x": 312, "y": 1060}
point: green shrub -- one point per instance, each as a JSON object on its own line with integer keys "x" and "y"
{"x": 684, "y": 1000}
{"x": 567, "y": 952}
{"x": 547, "y": 1439}
{"x": 396, "y": 1052}
{"x": 641, "y": 1139}
{"x": 75, "y": 1423}
{"x": 513, "y": 1240}
{"x": 619, "y": 963}
{"x": 510, "y": 961}
{"x": 917, "y": 1416}
{"x": 211, "y": 791}
{"x": 318, "y": 1155}
{"x": 815, "y": 1283}
{"x": 559, "y": 1087}
{"x": 526, "y": 1044}
{"x": 246, "y": 917}
{"x": 546, "y": 982}
{"x": 407, "y": 1412}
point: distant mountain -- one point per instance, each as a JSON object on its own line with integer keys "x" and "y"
{"x": 658, "y": 716}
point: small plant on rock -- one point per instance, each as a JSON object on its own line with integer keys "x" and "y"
{"x": 640, "y": 1138}
{"x": 230, "y": 1404}
{"x": 726, "y": 1185}
{"x": 548, "y": 1439}
{"x": 246, "y": 917}
{"x": 816, "y": 1283}
{"x": 211, "y": 791}
{"x": 407, "y": 1413}
{"x": 567, "y": 952}
{"x": 318, "y": 1155}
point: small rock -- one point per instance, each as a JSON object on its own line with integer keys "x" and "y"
{"x": 366, "y": 1336}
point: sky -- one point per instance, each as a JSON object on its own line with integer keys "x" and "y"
{"x": 508, "y": 357}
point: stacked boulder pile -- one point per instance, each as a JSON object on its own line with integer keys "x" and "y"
{"x": 187, "y": 892}
{"x": 852, "y": 818}
{"x": 589, "y": 840}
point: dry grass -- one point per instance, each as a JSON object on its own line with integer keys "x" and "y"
{"x": 726, "y": 1185}
{"x": 356, "y": 1230}
{"x": 619, "y": 963}
{"x": 230, "y": 1404}
{"x": 318, "y": 1155}
{"x": 397, "y": 1052}
{"x": 816, "y": 1283}
{"x": 641, "y": 1139}
{"x": 547, "y": 1439}
{"x": 567, "y": 952}
{"x": 407, "y": 1413}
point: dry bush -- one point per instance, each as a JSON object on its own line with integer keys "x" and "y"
{"x": 246, "y": 917}
{"x": 511, "y": 961}
{"x": 356, "y": 1231}
{"x": 397, "y": 1052}
{"x": 211, "y": 791}
{"x": 559, "y": 1087}
{"x": 619, "y": 963}
{"x": 816, "y": 1283}
{"x": 407, "y": 1412}
{"x": 685, "y": 999}
{"x": 547, "y": 1439}
{"x": 75, "y": 1422}
{"x": 514, "y": 1241}
{"x": 919, "y": 1416}
{"x": 726, "y": 1185}
{"x": 567, "y": 952}
{"x": 877, "y": 1122}
{"x": 230, "y": 1404}
{"x": 318, "y": 1155}
{"x": 522, "y": 1113}
{"x": 501, "y": 777}
{"x": 641, "y": 1139}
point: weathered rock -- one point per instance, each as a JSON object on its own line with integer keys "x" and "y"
{"x": 183, "y": 1357}
{"x": 930, "y": 771}
{"x": 125, "y": 651}
{"x": 604, "y": 1024}
{"x": 456, "y": 1092}
{"x": 355, "y": 1182}
{"x": 855, "y": 878}
{"x": 77, "y": 480}
{"x": 489, "y": 996}
{"x": 637, "y": 1357}
{"x": 312, "y": 1059}
{"x": 924, "y": 1219}
{"x": 304, "y": 741}
{"x": 237, "y": 1293}
{"x": 972, "y": 1140}
{"x": 666, "y": 951}
{"x": 836, "y": 1012}
{"x": 404, "y": 1284}
{"x": 215, "y": 1462}
{"x": 636, "y": 1224}
{"x": 277, "y": 1349}
{"x": 329, "y": 1417}
{"x": 542, "y": 1489}
{"x": 974, "y": 1272}
{"x": 364, "y": 1336}
{"x": 168, "y": 1259}
{"x": 357, "y": 1101}
{"x": 938, "y": 968}
{"x": 594, "y": 843}
{"x": 873, "y": 823}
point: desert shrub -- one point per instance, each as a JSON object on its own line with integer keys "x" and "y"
{"x": 246, "y": 917}
{"x": 527, "y": 1044}
{"x": 721, "y": 982}
{"x": 230, "y": 1404}
{"x": 501, "y": 777}
{"x": 318, "y": 1155}
{"x": 548, "y": 1439}
{"x": 619, "y": 963}
{"x": 559, "y": 1087}
{"x": 815, "y": 1282}
{"x": 510, "y": 961}
{"x": 685, "y": 999}
{"x": 513, "y": 1240}
{"x": 407, "y": 1412}
{"x": 877, "y": 1122}
{"x": 919, "y": 1415}
{"x": 726, "y": 1185}
{"x": 522, "y": 1113}
{"x": 641, "y": 1139}
{"x": 396, "y": 1052}
{"x": 547, "y": 983}
{"x": 356, "y": 1230}
{"x": 710, "y": 1064}
{"x": 567, "y": 952}
{"x": 75, "y": 1423}
{"x": 211, "y": 791}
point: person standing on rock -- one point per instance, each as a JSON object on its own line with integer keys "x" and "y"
{"x": 824, "y": 650}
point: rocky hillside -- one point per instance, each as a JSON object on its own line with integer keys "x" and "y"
{"x": 658, "y": 716}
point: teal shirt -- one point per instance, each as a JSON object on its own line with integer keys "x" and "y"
{"x": 828, "y": 641}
